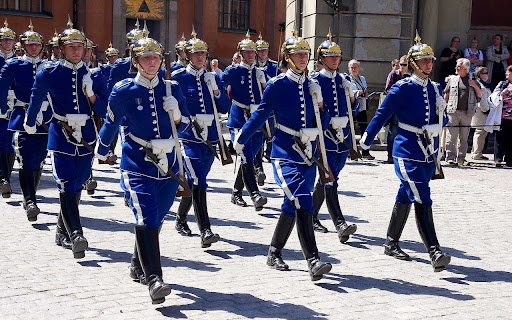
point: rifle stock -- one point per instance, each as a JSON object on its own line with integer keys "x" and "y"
{"x": 323, "y": 178}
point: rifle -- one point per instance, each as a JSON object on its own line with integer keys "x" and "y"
{"x": 325, "y": 175}
{"x": 207, "y": 142}
{"x": 82, "y": 141}
{"x": 318, "y": 162}
{"x": 354, "y": 155}
{"x": 184, "y": 191}
{"x": 351, "y": 150}
{"x": 154, "y": 159}
{"x": 438, "y": 174}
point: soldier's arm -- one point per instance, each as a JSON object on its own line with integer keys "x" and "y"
{"x": 101, "y": 93}
{"x": 39, "y": 90}
{"x": 6, "y": 79}
{"x": 223, "y": 103}
{"x": 115, "y": 113}
{"x": 184, "y": 125}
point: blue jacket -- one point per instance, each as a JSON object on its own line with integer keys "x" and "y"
{"x": 99, "y": 86}
{"x": 140, "y": 102}
{"x": 287, "y": 96}
{"x": 198, "y": 98}
{"x": 270, "y": 68}
{"x": 18, "y": 74}
{"x": 177, "y": 65}
{"x": 335, "y": 102}
{"x": 105, "y": 70}
{"x": 413, "y": 100}
{"x": 244, "y": 89}
{"x": 63, "y": 81}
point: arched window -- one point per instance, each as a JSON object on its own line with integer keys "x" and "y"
{"x": 234, "y": 14}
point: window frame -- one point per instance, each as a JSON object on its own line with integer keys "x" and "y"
{"x": 16, "y": 10}
{"x": 223, "y": 12}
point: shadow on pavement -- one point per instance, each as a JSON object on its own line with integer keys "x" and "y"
{"x": 241, "y": 304}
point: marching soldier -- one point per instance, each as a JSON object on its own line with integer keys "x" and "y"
{"x": 151, "y": 108}
{"x": 417, "y": 103}
{"x": 53, "y": 44}
{"x": 88, "y": 61}
{"x": 334, "y": 90}
{"x": 246, "y": 82}
{"x": 18, "y": 74}
{"x": 18, "y": 50}
{"x": 72, "y": 132}
{"x": 7, "y": 39}
{"x": 198, "y": 143}
{"x": 181, "y": 56}
{"x": 112, "y": 55}
{"x": 290, "y": 97}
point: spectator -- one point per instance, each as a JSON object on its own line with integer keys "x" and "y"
{"x": 509, "y": 48}
{"x": 395, "y": 65}
{"x": 448, "y": 60}
{"x": 504, "y": 135}
{"x": 475, "y": 56}
{"x": 393, "y": 77}
{"x": 215, "y": 67}
{"x": 361, "y": 93}
{"x": 461, "y": 93}
{"x": 237, "y": 58}
{"x": 480, "y": 117}
{"x": 497, "y": 56}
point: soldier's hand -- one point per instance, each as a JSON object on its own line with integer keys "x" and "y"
{"x": 209, "y": 78}
{"x": 171, "y": 105}
{"x": 316, "y": 91}
{"x": 87, "y": 84}
{"x": 362, "y": 142}
{"x": 260, "y": 76}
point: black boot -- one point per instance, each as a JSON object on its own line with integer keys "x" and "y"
{"x": 148, "y": 247}
{"x": 425, "y": 223}
{"x": 90, "y": 185}
{"x": 28, "y": 188}
{"x": 71, "y": 217}
{"x": 5, "y": 182}
{"x": 258, "y": 168}
{"x": 136, "y": 272}
{"x": 395, "y": 228}
{"x": 343, "y": 228}
{"x": 238, "y": 188}
{"x": 201, "y": 212}
{"x": 252, "y": 187}
{"x": 318, "y": 200}
{"x": 61, "y": 235}
{"x": 317, "y": 268}
{"x": 181, "y": 217}
{"x": 281, "y": 234}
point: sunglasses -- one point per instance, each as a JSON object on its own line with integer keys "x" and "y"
{"x": 484, "y": 73}
{"x": 403, "y": 64}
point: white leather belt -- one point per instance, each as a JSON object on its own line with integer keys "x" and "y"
{"x": 414, "y": 129}
{"x": 287, "y": 130}
{"x": 142, "y": 142}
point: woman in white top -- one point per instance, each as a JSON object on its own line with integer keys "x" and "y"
{"x": 361, "y": 93}
{"x": 475, "y": 56}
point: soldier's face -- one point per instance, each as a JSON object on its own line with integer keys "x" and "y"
{"x": 56, "y": 51}
{"x": 424, "y": 64}
{"x": 248, "y": 56}
{"x": 182, "y": 55}
{"x": 300, "y": 59}
{"x": 73, "y": 52}
{"x": 112, "y": 59}
{"x": 150, "y": 63}
{"x": 263, "y": 54}
{"x": 32, "y": 50}
{"x": 87, "y": 55}
{"x": 332, "y": 62}
{"x": 7, "y": 44}
{"x": 197, "y": 59}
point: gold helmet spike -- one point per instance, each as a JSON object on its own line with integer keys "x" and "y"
{"x": 137, "y": 24}
{"x": 183, "y": 36}
{"x": 329, "y": 34}
{"x": 111, "y": 51}
{"x": 31, "y": 37}
{"x": 6, "y": 24}
{"x": 69, "y": 24}
{"x": 262, "y": 44}
{"x": 193, "y": 33}
{"x": 30, "y": 26}
{"x": 145, "y": 31}
{"x": 6, "y": 32}
{"x": 295, "y": 33}
{"x": 417, "y": 39}
{"x": 260, "y": 37}
{"x": 195, "y": 44}
{"x": 248, "y": 35}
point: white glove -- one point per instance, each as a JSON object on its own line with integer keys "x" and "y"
{"x": 5, "y": 115}
{"x": 315, "y": 91}
{"x": 260, "y": 76}
{"x": 362, "y": 142}
{"x": 238, "y": 146}
{"x": 171, "y": 106}
{"x": 29, "y": 129}
{"x": 87, "y": 84}
{"x": 99, "y": 156}
{"x": 209, "y": 78}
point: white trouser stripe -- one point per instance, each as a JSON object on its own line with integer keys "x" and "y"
{"x": 17, "y": 148}
{"x": 134, "y": 198}
{"x": 414, "y": 190}
{"x": 284, "y": 185}
{"x": 54, "y": 171}
{"x": 191, "y": 169}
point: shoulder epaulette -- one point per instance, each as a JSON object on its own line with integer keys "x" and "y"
{"x": 50, "y": 64}
{"x": 314, "y": 75}
{"x": 123, "y": 83}
{"x": 175, "y": 72}
{"x": 94, "y": 69}
{"x": 174, "y": 82}
{"x": 278, "y": 77}
{"x": 13, "y": 59}
{"x": 401, "y": 82}
{"x": 272, "y": 61}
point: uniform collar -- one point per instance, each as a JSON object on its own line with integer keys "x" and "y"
{"x": 246, "y": 65}
{"x": 328, "y": 73}
{"x": 146, "y": 83}
{"x": 422, "y": 82}
{"x": 262, "y": 64}
{"x": 72, "y": 66}
{"x": 31, "y": 60}
{"x": 6, "y": 55}
{"x": 295, "y": 77}
{"x": 193, "y": 71}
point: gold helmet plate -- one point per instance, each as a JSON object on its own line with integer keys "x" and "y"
{"x": 6, "y": 32}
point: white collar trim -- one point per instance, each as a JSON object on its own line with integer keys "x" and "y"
{"x": 193, "y": 71}
{"x": 246, "y": 65}
{"x": 72, "y": 66}
{"x": 295, "y": 77}
{"x": 145, "y": 82}
{"x": 328, "y": 73}
{"x": 6, "y": 55}
{"x": 418, "y": 80}
{"x": 31, "y": 60}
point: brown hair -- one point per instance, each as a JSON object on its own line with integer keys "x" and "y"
{"x": 394, "y": 62}
{"x": 509, "y": 68}
{"x": 479, "y": 70}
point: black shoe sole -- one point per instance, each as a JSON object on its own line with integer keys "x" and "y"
{"x": 258, "y": 206}
{"x": 79, "y": 248}
{"x": 320, "y": 272}
{"x": 350, "y": 230}
{"x": 403, "y": 258}
{"x": 274, "y": 266}
{"x": 244, "y": 204}
{"x": 261, "y": 179}
{"x": 32, "y": 213}
{"x": 320, "y": 229}
{"x": 6, "y": 195}
{"x": 206, "y": 243}
{"x": 440, "y": 264}
{"x": 135, "y": 277}
{"x": 159, "y": 296}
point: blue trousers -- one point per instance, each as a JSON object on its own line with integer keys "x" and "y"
{"x": 251, "y": 147}
{"x": 198, "y": 162}
{"x": 297, "y": 182}
{"x": 257, "y": 154}
{"x": 414, "y": 177}
{"x": 70, "y": 172}
{"x": 5, "y": 137}
{"x": 150, "y": 199}
{"x": 30, "y": 150}
{"x": 336, "y": 162}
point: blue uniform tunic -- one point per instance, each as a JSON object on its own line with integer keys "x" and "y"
{"x": 198, "y": 158}
{"x": 413, "y": 100}
{"x": 100, "y": 88}
{"x": 335, "y": 102}
{"x": 18, "y": 74}
{"x": 5, "y": 135}
{"x": 140, "y": 102}
{"x": 177, "y": 65}
{"x": 244, "y": 92}
{"x": 105, "y": 70}
{"x": 71, "y": 161}
{"x": 287, "y": 96}
{"x": 269, "y": 68}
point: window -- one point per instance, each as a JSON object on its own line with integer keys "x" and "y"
{"x": 22, "y": 5}
{"x": 491, "y": 14}
{"x": 234, "y": 14}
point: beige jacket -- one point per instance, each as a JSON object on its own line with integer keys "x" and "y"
{"x": 453, "y": 99}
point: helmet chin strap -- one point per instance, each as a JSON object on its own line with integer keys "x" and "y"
{"x": 293, "y": 65}
{"x": 326, "y": 66}
{"x": 151, "y": 74}
{"x": 413, "y": 62}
